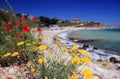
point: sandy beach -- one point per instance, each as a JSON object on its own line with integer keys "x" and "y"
{"x": 100, "y": 69}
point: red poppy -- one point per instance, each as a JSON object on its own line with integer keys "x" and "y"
{"x": 20, "y": 35}
{"x": 5, "y": 27}
{"x": 26, "y": 28}
{"x": 34, "y": 19}
{"x": 11, "y": 30}
{"x": 18, "y": 24}
{"x": 23, "y": 19}
{"x": 38, "y": 29}
{"x": 9, "y": 77}
{"x": 9, "y": 23}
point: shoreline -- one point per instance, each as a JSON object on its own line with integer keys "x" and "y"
{"x": 97, "y": 66}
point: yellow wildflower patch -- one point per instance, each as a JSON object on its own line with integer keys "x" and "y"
{"x": 74, "y": 47}
{"x": 87, "y": 74}
{"x": 74, "y": 76}
{"x": 85, "y": 60}
{"x": 46, "y": 77}
{"x": 32, "y": 70}
{"x": 41, "y": 60}
{"x": 34, "y": 42}
{"x": 20, "y": 43}
{"x": 85, "y": 53}
{"x": 39, "y": 36}
{"x": 14, "y": 54}
{"x": 42, "y": 47}
{"x": 6, "y": 55}
{"x": 58, "y": 39}
{"x": 75, "y": 60}
{"x": 28, "y": 44}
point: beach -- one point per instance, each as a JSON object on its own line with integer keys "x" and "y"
{"x": 102, "y": 69}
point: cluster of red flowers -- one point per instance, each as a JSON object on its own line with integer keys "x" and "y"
{"x": 26, "y": 28}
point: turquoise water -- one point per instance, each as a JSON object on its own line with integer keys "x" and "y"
{"x": 108, "y": 39}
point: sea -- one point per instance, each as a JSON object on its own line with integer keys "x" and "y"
{"x": 106, "y": 40}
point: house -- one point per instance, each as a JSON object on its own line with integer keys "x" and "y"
{"x": 75, "y": 20}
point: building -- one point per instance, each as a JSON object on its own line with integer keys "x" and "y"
{"x": 75, "y": 20}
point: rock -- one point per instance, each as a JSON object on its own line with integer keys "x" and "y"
{"x": 85, "y": 46}
{"x": 118, "y": 68}
{"x": 113, "y": 59}
{"x": 12, "y": 71}
{"x": 95, "y": 48}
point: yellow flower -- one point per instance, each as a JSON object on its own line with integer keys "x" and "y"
{"x": 20, "y": 43}
{"x": 39, "y": 36}
{"x": 74, "y": 47}
{"x": 35, "y": 49}
{"x": 42, "y": 47}
{"x": 39, "y": 42}
{"x": 14, "y": 54}
{"x": 41, "y": 60}
{"x": 46, "y": 77}
{"x": 74, "y": 76}
{"x": 28, "y": 44}
{"x": 64, "y": 49}
{"x": 59, "y": 45}
{"x": 58, "y": 39}
{"x": 6, "y": 55}
{"x": 85, "y": 53}
{"x": 32, "y": 70}
{"x": 85, "y": 60}
{"x": 75, "y": 60}
{"x": 87, "y": 74}
{"x": 75, "y": 40}
{"x": 34, "y": 42}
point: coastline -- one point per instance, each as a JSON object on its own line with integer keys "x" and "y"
{"x": 101, "y": 68}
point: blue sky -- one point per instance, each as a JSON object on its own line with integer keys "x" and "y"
{"x": 103, "y": 11}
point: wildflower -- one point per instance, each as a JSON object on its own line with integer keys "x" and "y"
{"x": 20, "y": 43}
{"x": 74, "y": 76}
{"x": 9, "y": 23}
{"x": 64, "y": 49}
{"x": 39, "y": 36}
{"x": 42, "y": 47}
{"x": 34, "y": 19}
{"x": 38, "y": 29}
{"x": 75, "y": 60}
{"x": 11, "y": 30}
{"x": 85, "y": 53}
{"x": 75, "y": 40}
{"x": 23, "y": 19}
{"x": 85, "y": 60}
{"x": 32, "y": 70}
{"x": 18, "y": 24}
{"x": 58, "y": 39}
{"x": 59, "y": 45}
{"x": 5, "y": 27}
{"x": 74, "y": 47}
{"x": 28, "y": 44}
{"x": 26, "y": 28}
{"x": 9, "y": 77}
{"x": 46, "y": 77}
{"x": 39, "y": 42}
{"x": 87, "y": 74}
{"x": 34, "y": 42}
{"x": 20, "y": 35}
{"x": 6, "y": 55}
{"x": 41, "y": 60}
{"x": 14, "y": 54}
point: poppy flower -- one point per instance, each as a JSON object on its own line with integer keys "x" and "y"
{"x": 26, "y": 28}
{"x": 9, "y": 23}
{"x": 20, "y": 35}
{"x": 38, "y": 29}
{"x": 11, "y": 30}
{"x": 34, "y": 19}
{"x": 18, "y": 24}
{"x": 23, "y": 19}
{"x": 5, "y": 27}
{"x": 9, "y": 77}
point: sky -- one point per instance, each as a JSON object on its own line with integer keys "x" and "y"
{"x": 106, "y": 12}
